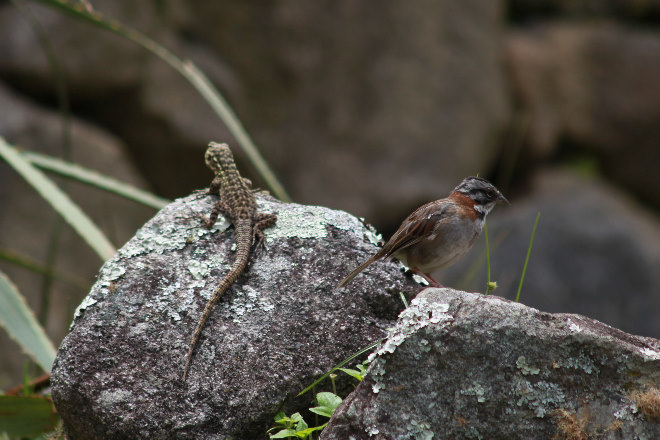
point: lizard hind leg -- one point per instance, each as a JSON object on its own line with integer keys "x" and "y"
{"x": 261, "y": 222}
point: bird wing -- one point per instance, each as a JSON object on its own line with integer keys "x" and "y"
{"x": 417, "y": 226}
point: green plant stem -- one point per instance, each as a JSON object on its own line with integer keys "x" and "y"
{"x": 487, "y": 259}
{"x": 332, "y": 381}
{"x": 529, "y": 251}
{"x": 404, "y": 300}
{"x": 341, "y": 364}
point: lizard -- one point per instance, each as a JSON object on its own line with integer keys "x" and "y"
{"x": 238, "y": 204}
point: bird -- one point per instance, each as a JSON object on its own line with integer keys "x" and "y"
{"x": 439, "y": 233}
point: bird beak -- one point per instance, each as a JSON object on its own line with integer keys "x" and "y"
{"x": 501, "y": 197}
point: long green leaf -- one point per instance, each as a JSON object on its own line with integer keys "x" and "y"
{"x": 190, "y": 72}
{"x": 487, "y": 258}
{"x": 61, "y": 202}
{"x": 33, "y": 265}
{"x": 26, "y": 416}
{"x": 21, "y": 325}
{"x": 529, "y": 251}
{"x": 94, "y": 178}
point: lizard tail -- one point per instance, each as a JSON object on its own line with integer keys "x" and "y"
{"x": 357, "y": 270}
{"x": 243, "y": 244}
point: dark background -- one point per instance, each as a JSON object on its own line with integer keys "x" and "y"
{"x": 371, "y": 107}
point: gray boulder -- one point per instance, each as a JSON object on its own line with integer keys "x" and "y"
{"x": 283, "y": 324}
{"x": 467, "y": 366}
{"x": 585, "y": 84}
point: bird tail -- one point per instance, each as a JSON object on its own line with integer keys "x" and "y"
{"x": 357, "y": 270}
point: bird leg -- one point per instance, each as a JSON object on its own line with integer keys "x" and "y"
{"x": 427, "y": 276}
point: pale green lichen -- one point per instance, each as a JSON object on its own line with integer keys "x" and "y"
{"x": 88, "y": 301}
{"x": 250, "y": 300}
{"x": 198, "y": 269}
{"x": 524, "y": 368}
{"x": 424, "y": 345}
{"x": 575, "y": 328}
{"x": 306, "y": 221}
{"x": 371, "y": 431}
{"x": 579, "y": 362}
{"x": 420, "y": 430}
{"x": 422, "y": 312}
{"x": 626, "y": 412}
{"x": 114, "y": 273}
{"x": 419, "y": 315}
{"x": 108, "y": 275}
{"x": 377, "y": 371}
{"x": 473, "y": 432}
{"x": 541, "y": 397}
{"x": 650, "y": 355}
{"x": 113, "y": 398}
{"x": 159, "y": 238}
{"x": 475, "y": 390}
{"x": 371, "y": 234}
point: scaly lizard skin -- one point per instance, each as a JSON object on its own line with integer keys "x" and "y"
{"x": 238, "y": 205}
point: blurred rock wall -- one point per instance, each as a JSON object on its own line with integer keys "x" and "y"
{"x": 374, "y": 108}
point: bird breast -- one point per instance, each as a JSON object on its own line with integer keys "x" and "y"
{"x": 450, "y": 240}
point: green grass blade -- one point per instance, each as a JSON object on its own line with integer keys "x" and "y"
{"x": 35, "y": 266}
{"x": 60, "y": 202}
{"x": 190, "y": 72}
{"x": 487, "y": 259}
{"x": 22, "y": 326}
{"x": 529, "y": 251}
{"x": 479, "y": 260}
{"x": 404, "y": 300}
{"x": 339, "y": 365}
{"x": 94, "y": 178}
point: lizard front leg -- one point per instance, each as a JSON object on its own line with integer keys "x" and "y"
{"x": 220, "y": 207}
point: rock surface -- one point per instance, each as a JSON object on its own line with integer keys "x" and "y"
{"x": 117, "y": 374}
{"x": 467, "y": 366}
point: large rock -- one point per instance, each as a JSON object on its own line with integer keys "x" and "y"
{"x": 117, "y": 374}
{"x": 587, "y": 85}
{"x": 101, "y": 64}
{"x": 596, "y": 253}
{"x": 466, "y": 366}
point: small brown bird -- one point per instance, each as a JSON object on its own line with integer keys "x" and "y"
{"x": 437, "y": 234}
